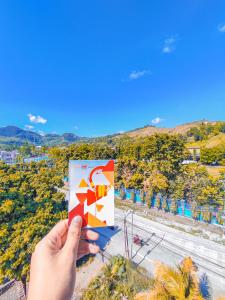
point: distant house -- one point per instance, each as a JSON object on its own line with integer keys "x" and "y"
{"x": 195, "y": 152}
{"x": 35, "y": 158}
{"x": 188, "y": 162}
{"x": 9, "y": 157}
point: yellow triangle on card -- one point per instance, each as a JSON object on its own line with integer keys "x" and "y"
{"x": 83, "y": 183}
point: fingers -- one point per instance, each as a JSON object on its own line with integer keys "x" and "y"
{"x": 73, "y": 237}
{"x": 89, "y": 235}
{"x": 56, "y": 235}
{"x": 87, "y": 248}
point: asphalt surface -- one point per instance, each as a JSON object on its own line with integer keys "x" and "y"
{"x": 165, "y": 244}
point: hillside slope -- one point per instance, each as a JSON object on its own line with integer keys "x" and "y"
{"x": 150, "y": 130}
{"x": 213, "y": 141}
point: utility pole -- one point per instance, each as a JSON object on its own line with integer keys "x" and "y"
{"x": 126, "y": 243}
{"x": 126, "y": 239}
{"x": 132, "y": 233}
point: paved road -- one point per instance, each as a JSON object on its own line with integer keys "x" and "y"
{"x": 169, "y": 246}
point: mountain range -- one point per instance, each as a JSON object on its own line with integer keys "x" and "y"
{"x": 15, "y": 136}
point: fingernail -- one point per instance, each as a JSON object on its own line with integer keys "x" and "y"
{"x": 76, "y": 220}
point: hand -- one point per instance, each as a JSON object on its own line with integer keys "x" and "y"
{"x": 53, "y": 267}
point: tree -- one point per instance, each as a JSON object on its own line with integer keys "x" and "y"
{"x": 213, "y": 155}
{"x": 30, "y": 205}
{"x": 135, "y": 182}
{"x": 157, "y": 181}
{"x": 167, "y": 151}
{"x": 175, "y": 283}
{"x": 211, "y": 191}
{"x": 195, "y": 184}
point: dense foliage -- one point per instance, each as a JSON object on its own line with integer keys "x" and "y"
{"x": 30, "y": 201}
{"x": 214, "y": 155}
{"x": 30, "y": 205}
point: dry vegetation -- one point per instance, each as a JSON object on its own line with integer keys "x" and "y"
{"x": 150, "y": 130}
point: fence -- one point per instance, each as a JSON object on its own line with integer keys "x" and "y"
{"x": 208, "y": 214}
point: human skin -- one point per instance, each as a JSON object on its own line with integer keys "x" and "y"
{"x": 53, "y": 268}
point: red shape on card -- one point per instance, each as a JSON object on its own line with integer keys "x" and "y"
{"x": 91, "y": 197}
{"x": 81, "y": 197}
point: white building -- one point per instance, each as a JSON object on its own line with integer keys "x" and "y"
{"x": 9, "y": 157}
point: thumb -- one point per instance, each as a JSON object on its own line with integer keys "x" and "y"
{"x": 73, "y": 237}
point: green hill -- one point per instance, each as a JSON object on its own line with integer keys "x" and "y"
{"x": 15, "y": 136}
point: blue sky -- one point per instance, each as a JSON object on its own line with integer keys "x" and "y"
{"x": 100, "y": 67}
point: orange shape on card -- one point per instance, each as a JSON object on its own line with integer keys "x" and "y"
{"x": 99, "y": 207}
{"x": 109, "y": 176}
{"x": 101, "y": 191}
{"x": 92, "y": 221}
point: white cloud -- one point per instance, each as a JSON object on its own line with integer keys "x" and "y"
{"x": 221, "y": 27}
{"x": 36, "y": 119}
{"x": 29, "y": 127}
{"x": 76, "y": 128}
{"x": 157, "y": 120}
{"x": 138, "y": 74}
{"x": 169, "y": 45}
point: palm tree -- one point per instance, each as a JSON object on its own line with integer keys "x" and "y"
{"x": 174, "y": 283}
